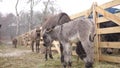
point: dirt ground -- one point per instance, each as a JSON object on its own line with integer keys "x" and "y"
{"x": 22, "y": 57}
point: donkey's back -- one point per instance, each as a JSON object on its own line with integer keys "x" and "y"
{"x": 81, "y": 27}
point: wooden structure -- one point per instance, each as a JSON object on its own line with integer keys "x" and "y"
{"x": 95, "y": 10}
{"x": 107, "y": 16}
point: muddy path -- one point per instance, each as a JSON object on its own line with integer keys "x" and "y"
{"x": 9, "y": 51}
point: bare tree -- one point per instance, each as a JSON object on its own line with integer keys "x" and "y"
{"x": 45, "y": 10}
{"x": 46, "y": 7}
{"x": 32, "y": 4}
{"x": 17, "y": 18}
{"x": 31, "y": 14}
{"x": 50, "y": 8}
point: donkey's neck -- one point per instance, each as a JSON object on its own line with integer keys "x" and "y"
{"x": 55, "y": 33}
{"x": 58, "y": 32}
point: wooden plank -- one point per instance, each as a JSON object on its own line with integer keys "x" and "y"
{"x": 109, "y": 44}
{"x": 79, "y": 14}
{"x": 53, "y": 48}
{"x": 95, "y": 18}
{"x": 110, "y": 4}
{"x": 109, "y": 30}
{"x": 56, "y": 43}
{"x": 110, "y": 58}
{"x": 103, "y": 19}
{"x": 108, "y": 15}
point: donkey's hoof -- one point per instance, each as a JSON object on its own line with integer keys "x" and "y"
{"x": 89, "y": 65}
{"x": 51, "y": 56}
{"x": 69, "y": 64}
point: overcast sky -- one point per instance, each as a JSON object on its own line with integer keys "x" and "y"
{"x": 68, "y": 6}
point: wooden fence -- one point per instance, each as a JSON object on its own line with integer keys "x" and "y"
{"x": 107, "y": 16}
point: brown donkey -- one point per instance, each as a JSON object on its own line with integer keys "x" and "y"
{"x": 53, "y": 21}
{"x": 35, "y": 39}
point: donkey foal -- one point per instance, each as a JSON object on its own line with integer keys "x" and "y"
{"x": 79, "y": 30}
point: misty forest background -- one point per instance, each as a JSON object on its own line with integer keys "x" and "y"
{"x": 21, "y": 22}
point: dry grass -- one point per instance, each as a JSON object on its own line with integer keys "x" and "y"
{"x": 34, "y": 60}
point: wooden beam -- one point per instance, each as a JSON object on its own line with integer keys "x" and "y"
{"x": 109, "y": 44}
{"x": 108, "y": 15}
{"x": 109, "y": 30}
{"x": 79, "y": 14}
{"x": 56, "y": 43}
{"x": 95, "y": 18}
{"x": 53, "y": 48}
{"x": 110, "y": 58}
{"x": 110, "y": 4}
{"x": 103, "y": 19}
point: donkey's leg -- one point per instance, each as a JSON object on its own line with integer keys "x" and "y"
{"x": 67, "y": 52}
{"x": 80, "y": 51}
{"x": 37, "y": 50}
{"x": 61, "y": 51}
{"x": 62, "y": 56}
{"x": 32, "y": 46}
{"x": 15, "y": 45}
{"x": 50, "y": 52}
{"x": 88, "y": 47}
{"x": 37, "y": 46}
{"x": 46, "y": 48}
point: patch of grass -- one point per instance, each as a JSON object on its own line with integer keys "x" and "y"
{"x": 106, "y": 65}
{"x": 37, "y": 60}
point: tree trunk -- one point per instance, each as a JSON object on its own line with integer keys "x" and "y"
{"x": 45, "y": 11}
{"x": 31, "y": 14}
{"x": 17, "y": 18}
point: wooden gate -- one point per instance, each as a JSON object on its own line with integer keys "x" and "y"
{"x": 107, "y": 16}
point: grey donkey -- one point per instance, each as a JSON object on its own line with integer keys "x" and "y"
{"x": 80, "y": 31}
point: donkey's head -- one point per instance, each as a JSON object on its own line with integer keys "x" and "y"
{"x": 38, "y": 31}
{"x": 48, "y": 36}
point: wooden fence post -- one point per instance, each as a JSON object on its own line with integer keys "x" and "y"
{"x": 95, "y": 19}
